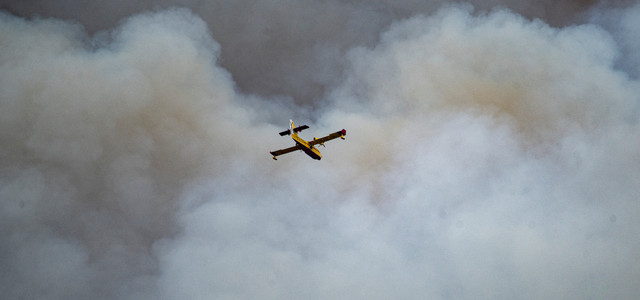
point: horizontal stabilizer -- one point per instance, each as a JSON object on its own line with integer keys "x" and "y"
{"x": 297, "y": 129}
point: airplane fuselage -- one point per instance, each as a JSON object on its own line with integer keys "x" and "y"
{"x": 312, "y": 151}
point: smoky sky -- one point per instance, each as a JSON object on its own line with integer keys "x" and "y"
{"x": 491, "y": 150}
{"x": 290, "y": 48}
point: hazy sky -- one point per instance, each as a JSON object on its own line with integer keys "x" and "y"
{"x": 492, "y": 150}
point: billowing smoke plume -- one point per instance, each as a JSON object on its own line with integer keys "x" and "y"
{"x": 488, "y": 153}
{"x": 292, "y": 48}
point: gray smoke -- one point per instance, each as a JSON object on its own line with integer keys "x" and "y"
{"x": 290, "y": 48}
{"x": 489, "y": 154}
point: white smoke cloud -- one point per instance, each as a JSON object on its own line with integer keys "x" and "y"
{"x": 487, "y": 156}
{"x": 97, "y": 144}
{"x": 289, "y": 47}
{"x": 622, "y": 23}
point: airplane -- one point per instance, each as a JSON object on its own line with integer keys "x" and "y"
{"x": 306, "y": 146}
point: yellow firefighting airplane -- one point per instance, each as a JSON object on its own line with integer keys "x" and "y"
{"x": 306, "y": 146}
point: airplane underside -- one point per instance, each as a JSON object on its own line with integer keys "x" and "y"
{"x": 313, "y": 153}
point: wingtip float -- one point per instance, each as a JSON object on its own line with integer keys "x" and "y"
{"x": 306, "y": 146}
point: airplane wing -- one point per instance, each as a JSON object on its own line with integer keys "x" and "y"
{"x": 283, "y": 151}
{"x": 335, "y": 135}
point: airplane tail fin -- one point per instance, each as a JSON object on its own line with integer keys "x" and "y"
{"x": 293, "y": 129}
